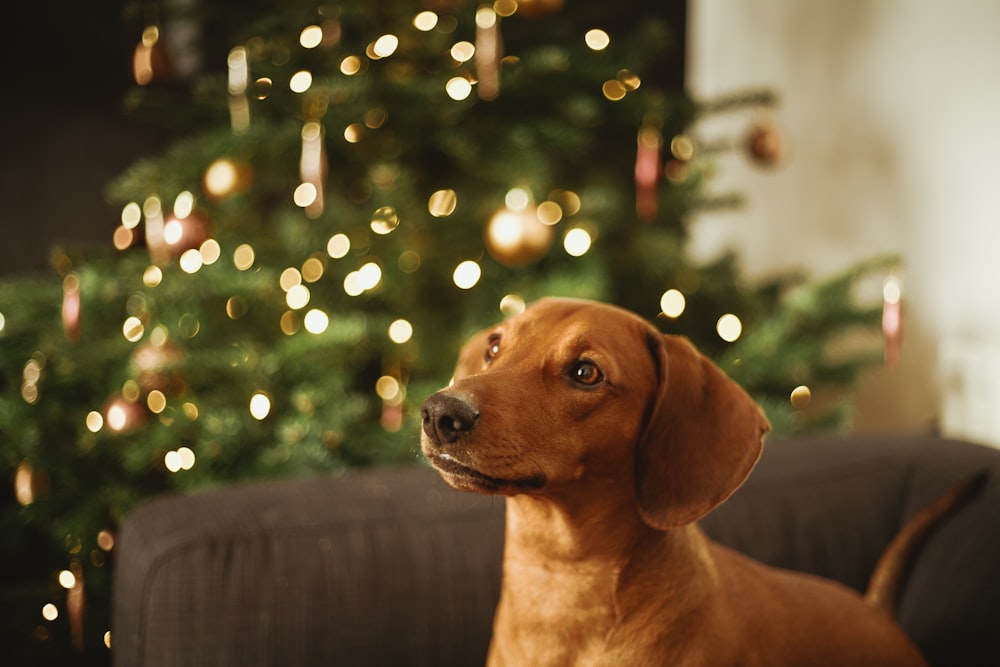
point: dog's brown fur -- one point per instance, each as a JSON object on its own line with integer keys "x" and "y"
{"x": 607, "y": 472}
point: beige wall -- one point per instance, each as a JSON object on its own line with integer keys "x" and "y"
{"x": 892, "y": 110}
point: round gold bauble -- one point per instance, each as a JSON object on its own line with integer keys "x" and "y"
{"x": 517, "y": 238}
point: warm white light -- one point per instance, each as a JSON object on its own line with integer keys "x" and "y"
{"x": 316, "y": 321}
{"x": 463, "y": 51}
{"x": 152, "y": 276}
{"x": 352, "y": 284}
{"x": 183, "y": 204}
{"x": 467, "y": 274}
{"x": 311, "y": 37}
{"x": 801, "y": 397}
{"x": 95, "y": 421}
{"x": 517, "y": 199}
{"x": 131, "y": 215}
{"x": 729, "y": 327}
{"x": 243, "y": 257}
{"x": 191, "y": 261}
{"x": 486, "y": 17}
{"x": 117, "y": 417}
{"x": 350, "y": 65}
{"x": 301, "y": 81}
{"x": 210, "y": 251}
{"x": 370, "y": 275}
{"x": 577, "y": 242}
{"x": 338, "y": 246}
{"x": 400, "y": 331}
{"x": 133, "y": 329}
{"x": 387, "y": 388}
{"x": 260, "y": 405}
{"x": 173, "y": 232}
{"x": 67, "y": 579}
{"x": 425, "y": 21}
{"x": 156, "y": 401}
{"x": 221, "y": 177}
{"x": 385, "y": 46}
{"x": 597, "y": 39}
{"x": 172, "y": 461}
{"x": 673, "y": 303}
{"x": 305, "y": 194}
{"x": 50, "y": 612}
{"x": 458, "y": 88}
{"x": 512, "y": 305}
{"x": 289, "y": 278}
{"x": 297, "y": 297}
{"x": 187, "y": 458}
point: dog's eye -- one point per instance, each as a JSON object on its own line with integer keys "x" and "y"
{"x": 492, "y": 347}
{"x": 586, "y": 373}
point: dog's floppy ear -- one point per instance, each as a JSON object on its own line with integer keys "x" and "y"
{"x": 702, "y": 438}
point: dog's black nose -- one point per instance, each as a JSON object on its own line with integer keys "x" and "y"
{"x": 446, "y": 417}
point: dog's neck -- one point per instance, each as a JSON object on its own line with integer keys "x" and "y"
{"x": 568, "y": 567}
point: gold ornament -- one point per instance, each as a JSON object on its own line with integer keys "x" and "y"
{"x": 151, "y": 60}
{"x": 517, "y": 238}
{"x": 766, "y": 144}
{"x": 154, "y": 366}
{"x": 226, "y": 177}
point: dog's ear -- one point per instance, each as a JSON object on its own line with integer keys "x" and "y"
{"x": 703, "y": 436}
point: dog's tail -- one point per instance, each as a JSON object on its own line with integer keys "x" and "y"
{"x": 894, "y": 565}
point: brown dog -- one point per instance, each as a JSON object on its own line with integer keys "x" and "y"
{"x": 611, "y": 440}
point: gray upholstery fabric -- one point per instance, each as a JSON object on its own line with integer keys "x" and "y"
{"x": 391, "y": 567}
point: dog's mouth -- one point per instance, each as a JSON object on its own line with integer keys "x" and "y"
{"x": 462, "y": 476}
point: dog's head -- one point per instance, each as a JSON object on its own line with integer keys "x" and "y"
{"x": 572, "y": 392}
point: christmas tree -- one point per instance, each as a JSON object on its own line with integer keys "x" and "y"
{"x": 356, "y": 187}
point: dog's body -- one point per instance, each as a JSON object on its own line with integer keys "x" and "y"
{"x": 610, "y": 441}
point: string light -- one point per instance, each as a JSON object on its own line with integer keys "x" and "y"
{"x": 463, "y": 52}
{"x": 384, "y": 220}
{"x": 260, "y": 405}
{"x": 338, "y": 246}
{"x": 467, "y": 274}
{"x": 597, "y": 39}
{"x": 191, "y": 261}
{"x": 311, "y": 37}
{"x": 94, "y": 421}
{"x": 243, "y": 257}
{"x": 729, "y": 328}
{"x": 301, "y": 81}
{"x": 577, "y": 242}
{"x": 801, "y": 397}
{"x": 512, "y": 305}
{"x": 673, "y": 303}
{"x": 442, "y": 203}
{"x": 425, "y": 21}
{"x": 316, "y": 321}
{"x": 400, "y": 331}
{"x": 458, "y": 88}
{"x": 133, "y": 329}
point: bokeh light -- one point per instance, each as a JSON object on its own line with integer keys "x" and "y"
{"x": 673, "y": 303}
{"x": 338, "y": 246}
{"x": 301, "y": 81}
{"x": 425, "y": 21}
{"x": 458, "y": 88}
{"x": 316, "y": 321}
{"x": 729, "y": 328}
{"x": 400, "y": 331}
{"x": 260, "y": 405}
{"x": 467, "y": 274}
{"x": 597, "y": 39}
{"x": 577, "y": 242}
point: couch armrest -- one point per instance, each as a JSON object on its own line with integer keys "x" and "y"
{"x": 386, "y": 567}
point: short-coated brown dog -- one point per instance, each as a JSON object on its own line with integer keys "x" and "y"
{"x": 611, "y": 440}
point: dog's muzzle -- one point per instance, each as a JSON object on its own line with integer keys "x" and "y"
{"x": 446, "y": 417}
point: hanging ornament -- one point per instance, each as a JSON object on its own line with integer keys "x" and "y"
{"x": 539, "y": 9}
{"x": 517, "y": 237}
{"x": 892, "y": 320}
{"x": 647, "y": 173}
{"x": 766, "y": 144}
{"x": 71, "y": 306}
{"x": 489, "y": 51}
{"x": 29, "y": 483}
{"x": 151, "y": 61}
{"x": 239, "y": 79}
{"x": 312, "y": 168}
{"x": 154, "y": 366}
{"x": 76, "y": 603}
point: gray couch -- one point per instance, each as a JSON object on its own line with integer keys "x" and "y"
{"x": 391, "y": 567}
